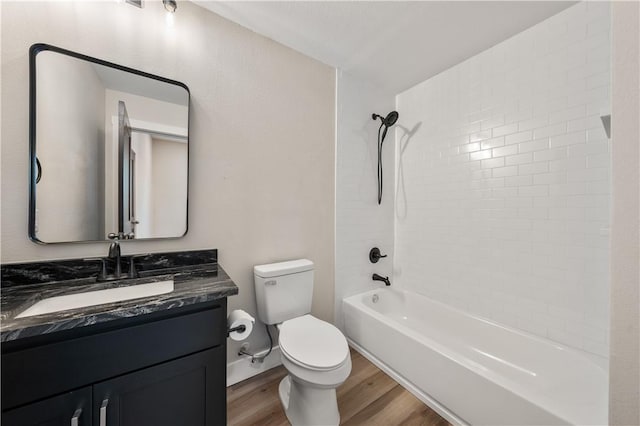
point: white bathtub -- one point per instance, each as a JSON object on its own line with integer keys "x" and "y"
{"x": 472, "y": 370}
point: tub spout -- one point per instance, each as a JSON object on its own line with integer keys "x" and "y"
{"x": 377, "y": 277}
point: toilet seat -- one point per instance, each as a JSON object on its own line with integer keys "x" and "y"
{"x": 313, "y": 344}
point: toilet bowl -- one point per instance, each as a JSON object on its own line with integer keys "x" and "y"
{"x": 314, "y": 352}
{"x": 316, "y": 356}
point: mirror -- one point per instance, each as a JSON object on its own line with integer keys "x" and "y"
{"x": 109, "y": 150}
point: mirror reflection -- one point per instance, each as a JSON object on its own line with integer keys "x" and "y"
{"x": 109, "y": 151}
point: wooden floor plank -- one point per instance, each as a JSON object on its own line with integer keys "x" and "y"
{"x": 363, "y": 394}
{"x": 257, "y": 399}
{"x": 368, "y": 397}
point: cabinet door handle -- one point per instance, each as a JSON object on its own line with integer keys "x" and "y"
{"x": 76, "y": 417}
{"x": 103, "y": 412}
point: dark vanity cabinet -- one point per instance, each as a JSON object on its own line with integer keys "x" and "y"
{"x": 71, "y": 408}
{"x": 164, "y": 368}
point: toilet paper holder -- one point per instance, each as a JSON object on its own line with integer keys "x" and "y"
{"x": 240, "y": 329}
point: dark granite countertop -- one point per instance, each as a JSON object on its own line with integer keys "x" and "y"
{"x": 197, "y": 278}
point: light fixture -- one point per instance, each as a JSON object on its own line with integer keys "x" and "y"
{"x": 170, "y": 5}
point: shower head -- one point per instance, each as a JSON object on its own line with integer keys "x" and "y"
{"x": 389, "y": 120}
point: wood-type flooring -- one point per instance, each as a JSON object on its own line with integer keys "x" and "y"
{"x": 368, "y": 397}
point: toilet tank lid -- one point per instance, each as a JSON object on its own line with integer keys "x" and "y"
{"x": 283, "y": 268}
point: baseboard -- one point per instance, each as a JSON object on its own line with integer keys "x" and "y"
{"x": 432, "y": 403}
{"x": 242, "y": 369}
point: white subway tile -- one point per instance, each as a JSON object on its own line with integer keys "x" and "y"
{"x": 460, "y": 158}
{"x": 504, "y": 151}
{"x": 519, "y": 137}
{"x": 505, "y": 171}
{"x": 549, "y": 178}
{"x": 567, "y": 114}
{"x": 481, "y": 174}
{"x": 532, "y": 123}
{"x": 533, "y": 191}
{"x": 480, "y": 136}
{"x": 495, "y": 162}
{"x": 504, "y": 193}
{"x": 519, "y": 202}
{"x": 574, "y": 163}
{"x": 535, "y": 145}
{"x": 597, "y": 26}
{"x": 505, "y": 130}
{"x": 518, "y": 181}
{"x": 595, "y": 148}
{"x": 492, "y": 122}
{"x": 533, "y": 168}
{"x": 492, "y": 143}
{"x": 599, "y": 80}
{"x": 519, "y": 159}
{"x": 470, "y": 147}
{"x": 598, "y": 187}
{"x": 587, "y": 175}
{"x": 480, "y": 155}
{"x": 550, "y": 154}
{"x": 596, "y": 134}
{"x": 553, "y": 130}
{"x": 584, "y": 123}
{"x": 599, "y": 160}
{"x": 568, "y": 139}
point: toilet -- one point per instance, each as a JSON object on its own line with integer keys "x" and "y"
{"x": 314, "y": 352}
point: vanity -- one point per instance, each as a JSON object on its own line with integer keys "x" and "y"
{"x": 122, "y": 340}
{"x": 156, "y": 360}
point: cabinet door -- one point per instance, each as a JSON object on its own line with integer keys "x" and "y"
{"x": 189, "y": 391}
{"x": 69, "y": 409}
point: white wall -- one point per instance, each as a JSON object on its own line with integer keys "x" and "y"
{"x": 360, "y": 222}
{"x": 503, "y": 191}
{"x": 144, "y": 113}
{"x": 70, "y": 135}
{"x": 168, "y": 184}
{"x": 262, "y": 135}
{"x": 141, "y": 144}
{"x": 624, "y": 368}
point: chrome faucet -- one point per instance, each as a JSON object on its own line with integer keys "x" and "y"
{"x": 385, "y": 280}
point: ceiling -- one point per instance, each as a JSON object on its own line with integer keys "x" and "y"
{"x": 392, "y": 44}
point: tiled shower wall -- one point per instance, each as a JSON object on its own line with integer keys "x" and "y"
{"x": 503, "y": 185}
{"x": 360, "y": 222}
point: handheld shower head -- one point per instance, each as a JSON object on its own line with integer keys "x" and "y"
{"x": 387, "y": 121}
{"x": 391, "y": 119}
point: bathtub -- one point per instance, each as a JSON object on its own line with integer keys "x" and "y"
{"x": 474, "y": 371}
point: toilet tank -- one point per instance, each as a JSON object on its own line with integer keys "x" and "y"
{"x": 283, "y": 290}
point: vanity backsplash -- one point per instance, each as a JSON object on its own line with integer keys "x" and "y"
{"x": 84, "y": 270}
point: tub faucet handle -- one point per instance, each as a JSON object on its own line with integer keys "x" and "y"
{"x": 375, "y": 255}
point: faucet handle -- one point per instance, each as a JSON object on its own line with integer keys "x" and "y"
{"x": 102, "y": 275}
{"x": 375, "y": 255}
{"x": 133, "y": 273}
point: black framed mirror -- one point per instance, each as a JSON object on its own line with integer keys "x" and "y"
{"x": 109, "y": 150}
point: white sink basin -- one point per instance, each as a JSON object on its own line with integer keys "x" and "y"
{"x": 98, "y": 297}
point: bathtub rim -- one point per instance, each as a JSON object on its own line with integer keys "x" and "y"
{"x": 357, "y": 302}
{"x": 599, "y": 360}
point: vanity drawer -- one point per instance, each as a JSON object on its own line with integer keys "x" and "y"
{"x": 46, "y": 370}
